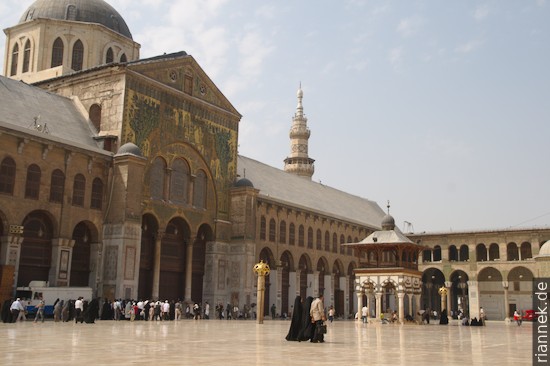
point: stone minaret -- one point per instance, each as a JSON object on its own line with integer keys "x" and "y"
{"x": 298, "y": 162}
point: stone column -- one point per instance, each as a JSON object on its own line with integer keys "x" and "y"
{"x": 473, "y": 299}
{"x": 378, "y": 295}
{"x": 506, "y": 302}
{"x": 369, "y": 295}
{"x": 411, "y": 310}
{"x": 417, "y": 306}
{"x": 189, "y": 270}
{"x": 448, "y": 286}
{"x": 156, "y": 265}
{"x": 401, "y": 307}
{"x": 359, "y": 293}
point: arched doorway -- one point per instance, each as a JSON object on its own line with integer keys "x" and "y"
{"x": 172, "y": 260}
{"x": 459, "y": 293}
{"x": 36, "y": 249}
{"x": 432, "y": 280}
{"x": 267, "y": 256}
{"x": 304, "y": 268}
{"x": 339, "y": 295}
{"x": 351, "y": 289}
{"x": 80, "y": 263}
{"x": 199, "y": 256}
{"x": 489, "y": 283}
{"x": 149, "y": 232}
{"x": 520, "y": 281}
{"x": 287, "y": 264}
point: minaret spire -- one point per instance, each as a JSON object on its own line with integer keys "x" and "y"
{"x": 299, "y": 162}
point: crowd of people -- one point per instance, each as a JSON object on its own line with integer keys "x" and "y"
{"x": 81, "y": 310}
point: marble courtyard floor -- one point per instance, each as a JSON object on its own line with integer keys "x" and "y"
{"x": 238, "y": 342}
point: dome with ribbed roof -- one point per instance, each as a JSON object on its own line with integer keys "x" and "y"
{"x": 129, "y": 148}
{"x": 243, "y": 182}
{"x": 88, "y": 11}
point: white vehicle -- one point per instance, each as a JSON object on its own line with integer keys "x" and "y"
{"x": 39, "y": 290}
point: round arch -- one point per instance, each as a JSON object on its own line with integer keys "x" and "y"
{"x": 84, "y": 234}
{"x": 173, "y": 259}
{"x": 149, "y": 234}
{"x": 36, "y": 249}
{"x": 205, "y": 234}
{"x": 432, "y": 280}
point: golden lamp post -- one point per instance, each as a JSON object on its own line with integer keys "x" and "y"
{"x": 262, "y": 270}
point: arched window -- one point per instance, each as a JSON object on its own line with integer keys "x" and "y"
{"x": 426, "y": 255}
{"x": 32, "y": 184}
{"x": 95, "y": 116}
{"x": 334, "y": 243}
{"x": 262, "y": 228}
{"x": 78, "y": 56}
{"x": 494, "y": 252}
{"x": 464, "y": 253}
{"x": 310, "y": 238}
{"x": 123, "y": 58}
{"x": 282, "y": 232}
{"x": 327, "y": 241}
{"x": 291, "y": 234}
{"x": 453, "y": 253}
{"x": 79, "y": 189}
{"x": 14, "y": 59}
{"x": 272, "y": 229}
{"x": 57, "y": 186}
{"x": 526, "y": 251}
{"x": 199, "y": 197}
{"x": 7, "y": 175}
{"x": 97, "y": 194}
{"x": 179, "y": 182}
{"x": 437, "y": 254}
{"x": 481, "y": 253}
{"x": 318, "y": 240}
{"x": 110, "y": 56}
{"x": 156, "y": 180}
{"x": 57, "y": 52}
{"x": 301, "y": 236}
{"x": 27, "y": 56}
{"x": 512, "y": 252}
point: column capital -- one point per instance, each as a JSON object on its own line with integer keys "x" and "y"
{"x": 505, "y": 284}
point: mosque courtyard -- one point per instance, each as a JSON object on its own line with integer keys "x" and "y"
{"x": 244, "y": 342}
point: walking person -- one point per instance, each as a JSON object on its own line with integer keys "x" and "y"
{"x": 39, "y": 311}
{"x": 17, "y": 311}
{"x": 79, "y": 309}
{"x": 317, "y": 313}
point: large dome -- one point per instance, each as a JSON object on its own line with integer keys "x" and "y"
{"x": 89, "y": 11}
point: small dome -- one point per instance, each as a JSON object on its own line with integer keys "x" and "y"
{"x": 388, "y": 223}
{"x": 243, "y": 182}
{"x": 545, "y": 250}
{"x": 87, "y": 11}
{"x": 129, "y": 149}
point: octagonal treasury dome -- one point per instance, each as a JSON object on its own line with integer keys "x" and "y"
{"x": 88, "y": 11}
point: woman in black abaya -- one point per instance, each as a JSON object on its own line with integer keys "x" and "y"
{"x": 296, "y": 322}
{"x": 444, "y": 319}
{"x": 306, "y": 330}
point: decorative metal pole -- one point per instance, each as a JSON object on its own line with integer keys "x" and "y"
{"x": 443, "y": 293}
{"x": 262, "y": 270}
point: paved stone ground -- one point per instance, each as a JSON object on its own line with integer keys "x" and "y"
{"x": 238, "y": 342}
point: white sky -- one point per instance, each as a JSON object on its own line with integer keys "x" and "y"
{"x": 441, "y": 107}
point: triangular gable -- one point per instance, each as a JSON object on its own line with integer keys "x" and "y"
{"x": 182, "y": 72}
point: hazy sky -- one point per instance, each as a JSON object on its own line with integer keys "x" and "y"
{"x": 441, "y": 107}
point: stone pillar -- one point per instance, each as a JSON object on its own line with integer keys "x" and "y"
{"x": 189, "y": 271}
{"x": 315, "y": 283}
{"x": 156, "y": 266}
{"x": 401, "y": 307}
{"x": 448, "y": 286}
{"x": 473, "y": 299}
{"x": 62, "y": 254}
{"x": 359, "y": 303}
{"x": 411, "y": 310}
{"x": 10, "y": 247}
{"x": 506, "y": 302}
{"x": 368, "y": 295}
{"x": 378, "y": 295}
{"x": 417, "y": 306}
